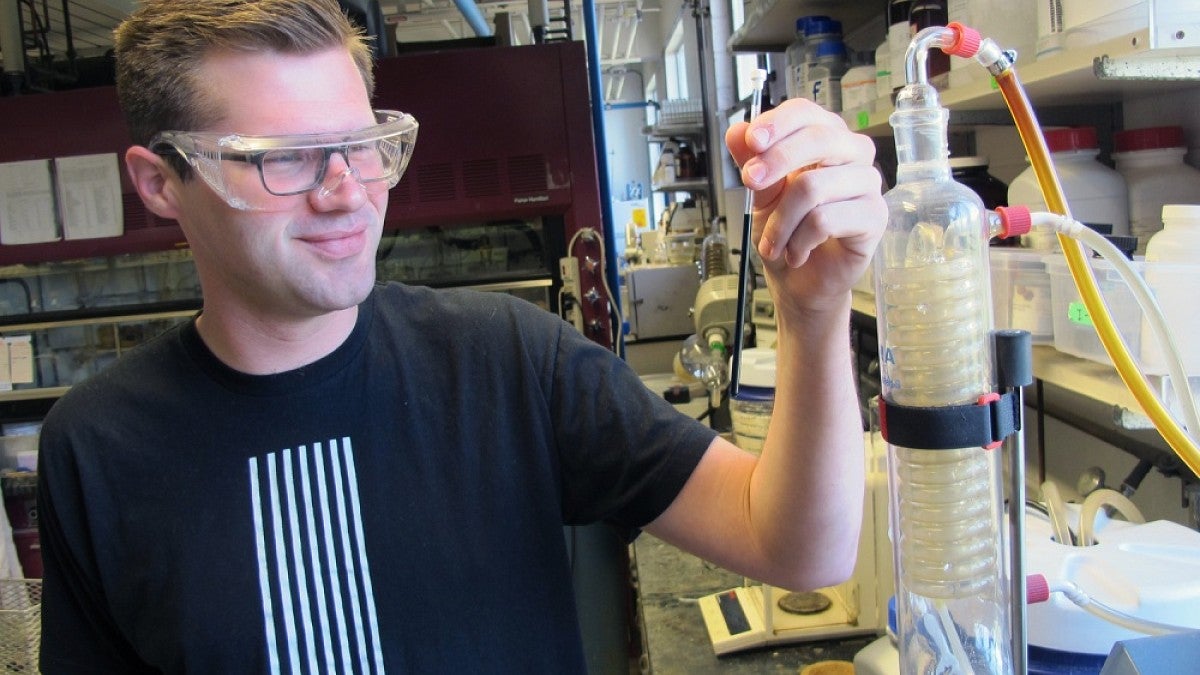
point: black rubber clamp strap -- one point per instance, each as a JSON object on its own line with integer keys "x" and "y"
{"x": 985, "y": 424}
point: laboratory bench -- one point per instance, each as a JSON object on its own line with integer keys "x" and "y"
{"x": 670, "y": 582}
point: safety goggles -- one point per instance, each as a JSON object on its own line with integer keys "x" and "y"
{"x": 252, "y": 172}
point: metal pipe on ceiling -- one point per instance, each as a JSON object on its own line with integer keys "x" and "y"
{"x": 474, "y": 17}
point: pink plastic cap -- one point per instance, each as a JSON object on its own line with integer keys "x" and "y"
{"x": 1037, "y": 589}
{"x": 1015, "y": 220}
{"x": 966, "y": 40}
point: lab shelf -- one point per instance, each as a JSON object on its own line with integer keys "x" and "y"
{"x": 689, "y": 185}
{"x": 1091, "y": 379}
{"x": 770, "y": 25}
{"x": 1163, "y": 56}
{"x": 71, "y": 345}
{"x": 665, "y": 132}
{"x": 1097, "y": 74}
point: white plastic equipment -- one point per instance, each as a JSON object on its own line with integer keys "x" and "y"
{"x": 1150, "y": 571}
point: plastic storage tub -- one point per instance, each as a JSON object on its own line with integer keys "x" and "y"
{"x": 1074, "y": 332}
{"x": 1021, "y": 292}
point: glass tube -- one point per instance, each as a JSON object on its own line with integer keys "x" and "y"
{"x": 933, "y": 293}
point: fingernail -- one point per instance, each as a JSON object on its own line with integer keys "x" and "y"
{"x": 761, "y": 136}
{"x": 756, "y": 170}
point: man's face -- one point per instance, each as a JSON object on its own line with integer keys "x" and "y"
{"x": 311, "y": 253}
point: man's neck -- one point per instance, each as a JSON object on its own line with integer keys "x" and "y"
{"x": 264, "y": 346}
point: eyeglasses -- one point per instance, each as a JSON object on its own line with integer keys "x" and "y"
{"x": 295, "y": 164}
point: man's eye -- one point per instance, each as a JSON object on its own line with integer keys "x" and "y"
{"x": 362, "y": 150}
{"x": 283, "y": 158}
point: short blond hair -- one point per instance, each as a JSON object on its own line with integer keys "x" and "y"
{"x": 161, "y": 46}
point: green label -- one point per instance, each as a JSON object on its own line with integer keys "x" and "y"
{"x": 864, "y": 119}
{"x": 994, "y": 83}
{"x": 1077, "y": 313}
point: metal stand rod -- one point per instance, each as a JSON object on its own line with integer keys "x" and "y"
{"x": 1014, "y": 370}
{"x": 1016, "y": 512}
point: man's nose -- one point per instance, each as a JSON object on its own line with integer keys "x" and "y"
{"x": 341, "y": 182}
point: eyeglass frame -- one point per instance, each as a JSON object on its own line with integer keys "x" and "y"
{"x": 252, "y": 149}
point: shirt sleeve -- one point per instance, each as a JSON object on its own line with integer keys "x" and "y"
{"x": 626, "y": 452}
{"x": 78, "y": 633}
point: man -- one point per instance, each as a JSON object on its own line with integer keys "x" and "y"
{"x": 308, "y": 477}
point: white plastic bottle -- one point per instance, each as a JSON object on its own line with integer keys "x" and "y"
{"x": 1173, "y": 273}
{"x": 1096, "y": 194}
{"x": 1178, "y": 241}
{"x": 1151, "y": 160}
{"x": 883, "y": 71}
{"x": 858, "y": 88}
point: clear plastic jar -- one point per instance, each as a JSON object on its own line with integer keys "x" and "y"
{"x": 794, "y": 57}
{"x": 824, "y": 75}
{"x": 751, "y": 410}
{"x": 818, "y": 32}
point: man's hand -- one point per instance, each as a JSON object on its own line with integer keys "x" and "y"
{"x": 818, "y": 210}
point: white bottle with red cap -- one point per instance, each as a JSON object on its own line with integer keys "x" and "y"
{"x": 1151, "y": 160}
{"x": 1096, "y": 194}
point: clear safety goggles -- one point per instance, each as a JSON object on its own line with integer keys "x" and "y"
{"x": 252, "y": 172}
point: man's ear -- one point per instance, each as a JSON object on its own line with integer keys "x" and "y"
{"x": 155, "y": 181}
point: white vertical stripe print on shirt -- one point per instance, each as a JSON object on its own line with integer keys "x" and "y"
{"x": 314, "y": 582}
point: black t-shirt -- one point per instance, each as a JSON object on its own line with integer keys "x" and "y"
{"x": 395, "y": 506}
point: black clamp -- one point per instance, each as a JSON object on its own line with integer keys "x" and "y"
{"x": 985, "y": 424}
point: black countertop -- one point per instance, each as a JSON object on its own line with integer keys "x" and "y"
{"x": 670, "y": 584}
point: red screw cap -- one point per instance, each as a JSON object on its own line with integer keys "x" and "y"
{"x": 1037, "y": 589}
{"x": 1015, "y": 220}
{"x": 966, "y": 40}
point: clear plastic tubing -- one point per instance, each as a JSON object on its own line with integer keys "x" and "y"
{"x": 933, "y": 296}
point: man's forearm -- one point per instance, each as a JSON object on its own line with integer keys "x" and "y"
{"x": 806, "y": 493}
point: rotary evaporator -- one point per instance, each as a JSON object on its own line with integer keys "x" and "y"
{"x": 951, "y": 384}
